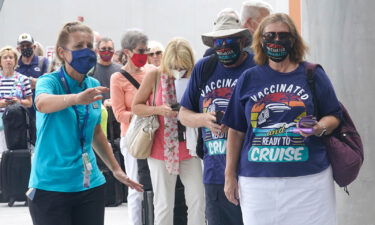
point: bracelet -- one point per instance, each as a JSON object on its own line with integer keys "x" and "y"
{"x": 324, "y": 131}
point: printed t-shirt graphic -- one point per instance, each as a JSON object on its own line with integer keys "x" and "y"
{"x": 217, "y": 100}
{"x": 272, "y": 118}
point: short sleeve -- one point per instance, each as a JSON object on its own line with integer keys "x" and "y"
{"x": 46, "y": 84}
{"x": 235, "y": 116}
{"x": 190, "y": 98}
{"x": 26, "y": 87}
{"x": 328, "y": 103}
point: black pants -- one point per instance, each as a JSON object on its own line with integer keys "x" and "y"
{"x": 72, "y": 208}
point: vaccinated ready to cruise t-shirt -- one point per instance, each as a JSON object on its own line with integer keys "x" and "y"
{"x": 266, "y": 105}
{"x": 213, "y": 97}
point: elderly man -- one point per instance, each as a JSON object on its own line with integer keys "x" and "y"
{"x": 205, "y": 101}
{"x": 252, "y": 12}
{"x": 105, "y": 67}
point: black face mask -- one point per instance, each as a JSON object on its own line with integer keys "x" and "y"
{"x": 27, "y": 52}
{"x": 277, "y": 51}
{"x": 228, "y": 54}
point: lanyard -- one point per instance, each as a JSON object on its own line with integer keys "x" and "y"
{"x": 80, "y": 128}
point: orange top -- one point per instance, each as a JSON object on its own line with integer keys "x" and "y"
{"x": 157, "y": 150}
{"x": 122, "y": 94}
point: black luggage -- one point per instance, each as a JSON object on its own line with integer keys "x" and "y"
{"x": 180, "y": 208}
{"x": 15, "y": 170}
{"x": 19, "y": 127}
{"x": 148, "y": 208}
{"x": 114, "y": 190}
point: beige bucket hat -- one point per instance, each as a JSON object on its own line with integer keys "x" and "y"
{"x": 226, "y": 24}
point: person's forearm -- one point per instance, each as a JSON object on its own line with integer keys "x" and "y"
{"x": 145, "y": 110}
{"x": 190, "y": 118}
{"x": 47, "y": 103}
{"x": 104, "y": 150}
{"x": 234, "y": 145}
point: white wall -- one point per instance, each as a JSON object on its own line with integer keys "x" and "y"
{"x": 341, "y": 36}
{"x": 159, "y": 19}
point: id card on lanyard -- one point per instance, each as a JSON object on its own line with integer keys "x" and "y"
{"x": 81, "y": 129}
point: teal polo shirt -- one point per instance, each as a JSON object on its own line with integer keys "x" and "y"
{"x": 57, "y": 161}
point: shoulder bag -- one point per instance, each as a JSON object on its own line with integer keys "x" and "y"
{"x": 140, "y": 134}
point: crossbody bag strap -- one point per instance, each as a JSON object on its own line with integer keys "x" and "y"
{"x": 155, "y": 89}
{"x": 130, "y": 78}
{"x": 310, "y": 72}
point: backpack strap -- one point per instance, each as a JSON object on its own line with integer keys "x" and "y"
{"x": 208, "y": 69}
{"x": 130, "y": 78}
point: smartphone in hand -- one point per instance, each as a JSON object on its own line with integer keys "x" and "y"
{"x": 219, "y": 116}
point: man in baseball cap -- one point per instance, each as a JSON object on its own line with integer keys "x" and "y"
{"x": 205, "y": 109}
{"x": 29, "y": 64}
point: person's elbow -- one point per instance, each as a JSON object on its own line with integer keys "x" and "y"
{"x": 41, "y": 105}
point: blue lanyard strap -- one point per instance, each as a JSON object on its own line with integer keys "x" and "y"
{"x": 86, "y": 117}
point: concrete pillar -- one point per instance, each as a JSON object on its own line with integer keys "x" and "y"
{"x": 341, "y": 37}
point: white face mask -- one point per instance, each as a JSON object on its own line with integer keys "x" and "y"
{"x": 178, "y": 74}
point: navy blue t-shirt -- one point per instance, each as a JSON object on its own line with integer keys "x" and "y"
{"x": 266, "y": 105}
{"x": 214, "y": 97}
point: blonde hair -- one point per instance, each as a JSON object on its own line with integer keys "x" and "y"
{"x": 177, "y": 54}
{"x": 68, "y": 28}
{"x": 9, "y": 49}
{"x": 299, "y": 48}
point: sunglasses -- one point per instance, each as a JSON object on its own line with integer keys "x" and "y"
{"x": 141, "y": 50}
{"x": 228, "y": 41}
{"x": 106, "y": 49}
{"x": 271, "y": 36}
{"x": 157, "y": 53}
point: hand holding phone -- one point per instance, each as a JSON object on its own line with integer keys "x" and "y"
{"x": 219, "y": 116}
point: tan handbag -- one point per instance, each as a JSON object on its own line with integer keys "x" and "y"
{"x": 140, "y": 134}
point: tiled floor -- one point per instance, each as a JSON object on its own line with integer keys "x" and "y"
{"x": 19, "y": 215}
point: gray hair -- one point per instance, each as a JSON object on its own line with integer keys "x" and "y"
{"x": 132, "y": 38}
{"x": 251, "y": 8}
{"x": 104, "y": 39}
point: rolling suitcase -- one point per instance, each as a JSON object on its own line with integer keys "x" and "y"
{"x": 148, "y": 208}
{"x": 15, "y": 173}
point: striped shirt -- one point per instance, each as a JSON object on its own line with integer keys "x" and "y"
{"x": 17, "y": 85}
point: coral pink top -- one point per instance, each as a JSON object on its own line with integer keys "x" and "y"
{"x": 157, "y": 151}
{"x": 122, "y": 94}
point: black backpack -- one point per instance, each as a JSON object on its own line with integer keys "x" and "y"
{"x": 19, "y": 127}
{"x": 208, "y": 69}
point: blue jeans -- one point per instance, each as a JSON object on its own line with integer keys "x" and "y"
{"x": 219, "y": 211}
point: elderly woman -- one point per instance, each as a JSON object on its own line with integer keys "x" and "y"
{"x": 284, "y": 175}
{"x": 155, "y": 53}
{"x": 169, "y": 154}
{"x": 134, "y": 45}
{"x": 14, "y": 87}
{"x": 66, "y": 185}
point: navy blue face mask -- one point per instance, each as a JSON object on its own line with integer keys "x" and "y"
{"x": 83, "y": 60}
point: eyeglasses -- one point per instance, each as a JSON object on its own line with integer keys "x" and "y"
{"x": 141, "y": 50}
{"x": 271, "y": 36}
{"x": 228, "y": 41}
{"x": 106, "y": 49}
{"x": 157, "y": 53}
